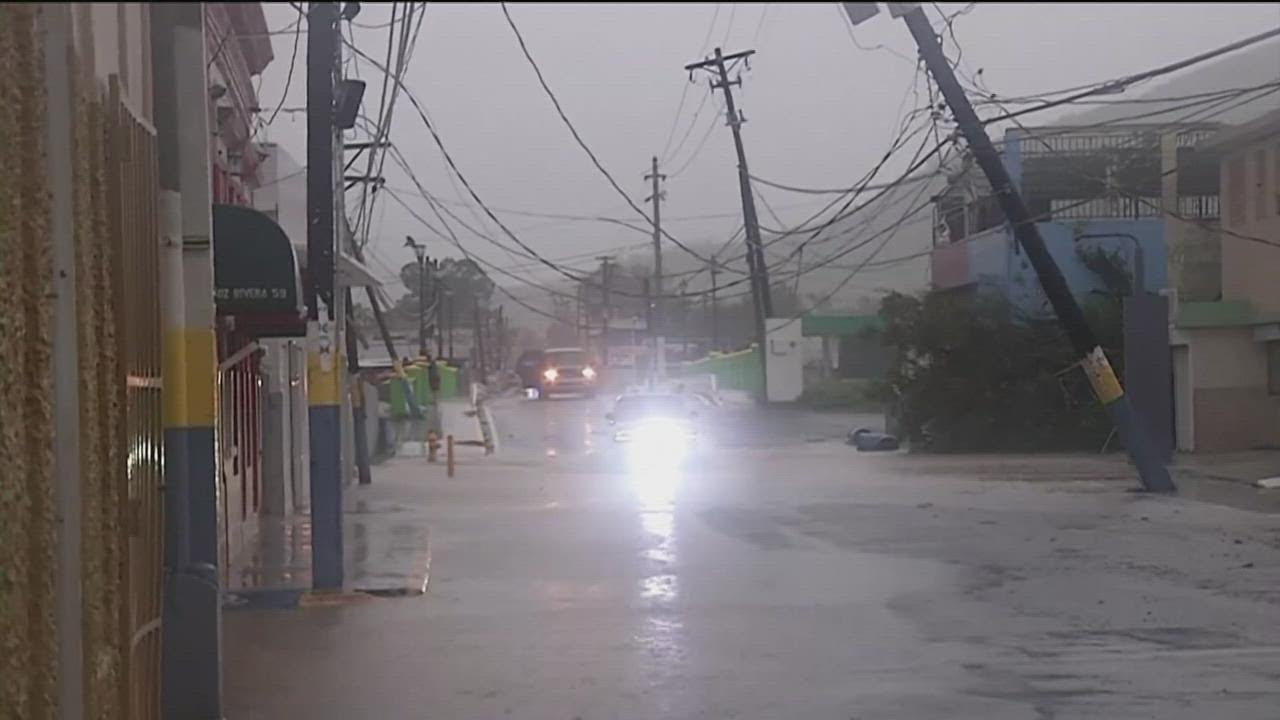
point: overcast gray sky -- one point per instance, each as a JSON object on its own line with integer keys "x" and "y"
{"x": 820, "y": 110}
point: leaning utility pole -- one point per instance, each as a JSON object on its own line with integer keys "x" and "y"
{"x": 1151, "y": 470}
{"x": 755, "y": 248}
{"x": 657, "y": 324}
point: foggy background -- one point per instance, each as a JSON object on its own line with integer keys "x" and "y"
{"x": 820, "y": 110}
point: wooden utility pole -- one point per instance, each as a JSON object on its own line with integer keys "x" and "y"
{"x": 324, "y": 412}
{"x": 606, "y": 266}
{"x": 719, "y": 65}
{"x": 1151, "y": 469}
{"x": 656, "y": 324}
{"x": 715, "y": 305}
{"x": 438, "y": 317}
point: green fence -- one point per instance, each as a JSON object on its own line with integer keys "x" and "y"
{"x": 421, "y": 390}
{"x": 733, "y": 371}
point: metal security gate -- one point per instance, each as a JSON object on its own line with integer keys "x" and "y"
{"x": 239, "y": 441}
{"x": 132, "y": 195}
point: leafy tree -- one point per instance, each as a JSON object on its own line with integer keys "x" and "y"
{"x": 970, "y": 372}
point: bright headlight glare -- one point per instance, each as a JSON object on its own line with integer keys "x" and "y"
{"x": 589, "y": 373}
{"x": 657, "y": 438}
{"x": 551, "y": 374}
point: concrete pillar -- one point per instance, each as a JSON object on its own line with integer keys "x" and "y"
{"x": 299, "y": 426}
{"x": 192, "y": 654}
{"x": 55, "y": 27}
{"x": 277, "y": 458}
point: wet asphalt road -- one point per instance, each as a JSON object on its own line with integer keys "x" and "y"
{"x": 777, "y": 574}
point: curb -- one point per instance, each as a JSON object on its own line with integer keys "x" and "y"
{"x": 1266, "y": 483}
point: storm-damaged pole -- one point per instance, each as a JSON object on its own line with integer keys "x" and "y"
{"x": 1151, "y": 469}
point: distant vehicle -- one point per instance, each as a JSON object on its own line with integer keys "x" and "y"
{"x": 567, "y": 370}
{"x": 529, "y": 367}
{"x": 659, "y": 422}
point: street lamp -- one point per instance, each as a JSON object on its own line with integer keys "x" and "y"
{"x": 420, "y": 252}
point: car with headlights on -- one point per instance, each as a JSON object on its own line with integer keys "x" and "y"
{"x": 567, "y": 370}
{"x": 659, "y": 422}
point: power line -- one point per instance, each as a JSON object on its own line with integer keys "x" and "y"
{"x": 524, "y": 48}
{"x": 845, "y": 191}
{"x": 693, "y": 122}
{"x": 383, "y": 124}
{"x": 452, "y": 238}
{"x": 848, "y": 26}
{"x": 684, "y": 91}
{"x": 480, "y": 261}
{"x": 293, "y": 58}
{"x": 1123, "y": 83}
{"x": 1159, "y": 206}
{"x": 533, "y": 254}
{"x": 435, "y": 136}
{"x": 764, "y": 13}
{"x": 733, "y": 13}
{"x": 701, "y": 143}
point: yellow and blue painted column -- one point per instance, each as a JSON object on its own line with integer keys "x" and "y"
{"x": 324, "y": 368}
{"x": 191, "y": 674}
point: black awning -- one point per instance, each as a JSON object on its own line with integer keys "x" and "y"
{"x": 255, "y": 271}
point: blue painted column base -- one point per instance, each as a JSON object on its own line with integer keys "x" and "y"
{"x": 191, "y": 674}
{"x": 326, "y": 498}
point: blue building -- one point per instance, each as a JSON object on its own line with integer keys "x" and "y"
{"x": 1109, "y": 188}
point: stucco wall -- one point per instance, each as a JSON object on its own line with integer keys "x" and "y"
{"x": 1249, "y": 267}
{"x": 1229, "y": 375}
{"x": 28, "y": 638}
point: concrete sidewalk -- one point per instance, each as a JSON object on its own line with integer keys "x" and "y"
{"x": 385, "y": 538}
{"x": 1247, "y": 467}
{"x": 385, "y": 533}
